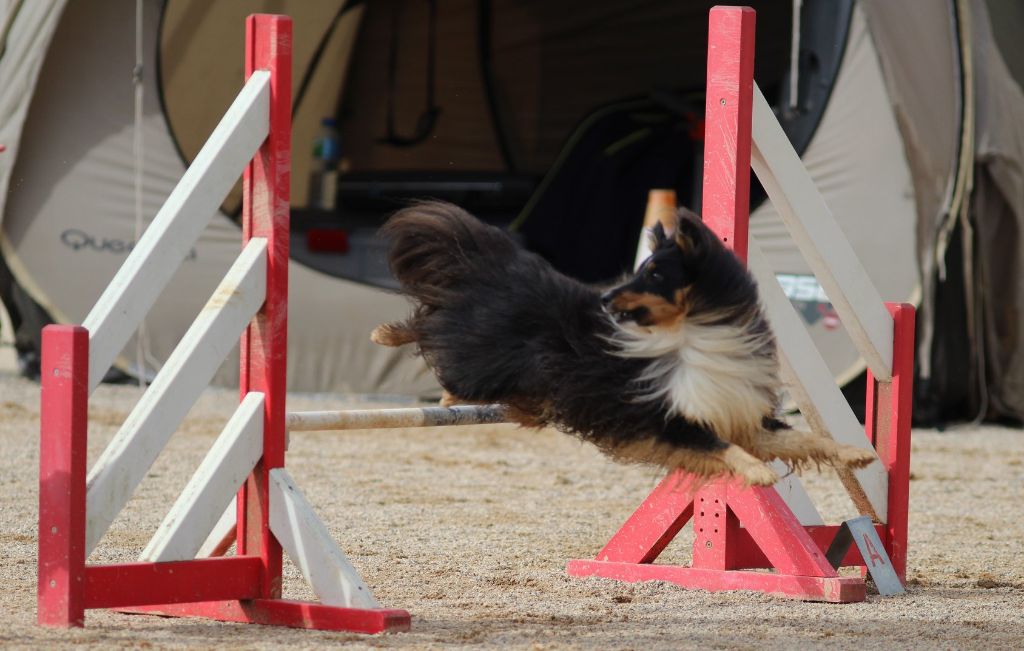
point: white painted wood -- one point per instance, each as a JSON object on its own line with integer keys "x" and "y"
{"x": 233, "y": 456}
{"x": 178, "y": 224}
{"x": 814, "y": 389}
{"x": 310, "y": 546}
{"x": 821, "y": 240}
{"x": 226, "y": 524}
{"x": 793, "y": 493}
{"x": 183, "y": 377}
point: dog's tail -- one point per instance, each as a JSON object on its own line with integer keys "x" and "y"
{"x": 435, "y": 247}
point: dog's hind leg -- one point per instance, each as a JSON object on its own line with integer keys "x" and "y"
{"x": 396, "y": 333}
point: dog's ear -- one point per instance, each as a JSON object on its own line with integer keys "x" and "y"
{"x": 656, "y": 236}
{"x": 691, "y": 234}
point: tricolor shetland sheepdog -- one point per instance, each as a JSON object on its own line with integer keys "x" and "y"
{"x": 676, "y": 366}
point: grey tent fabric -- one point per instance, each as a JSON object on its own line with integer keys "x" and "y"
{"x": 997, "y": 210}
{"x": 923, "y": 77}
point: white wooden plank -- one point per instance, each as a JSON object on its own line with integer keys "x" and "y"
{"x": 233, "y": 456}
{"x": 793, "y": 493}
{"x": 175, "y": 389}
{"x": 178, "y": 224}
{"x": 310, "y": 546}
{"x": 226, "y": 525}
{"x": 821, "y": 240}
{"x": 814, "y": 390}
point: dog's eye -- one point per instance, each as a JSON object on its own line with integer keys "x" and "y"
{"x": 656, "y": 277}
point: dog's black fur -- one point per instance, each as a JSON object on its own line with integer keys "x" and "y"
{"x": 499, "y": 324}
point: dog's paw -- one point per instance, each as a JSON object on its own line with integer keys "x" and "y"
{"x": 847, "y": 455}
{"x": 759, "y": 476}
{"x": 448, "y": 400}
{"x": 750, "y": 469}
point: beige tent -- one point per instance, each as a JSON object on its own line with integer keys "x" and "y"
{"x": 541, "y": 115}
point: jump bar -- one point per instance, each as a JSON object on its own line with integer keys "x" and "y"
{"x": 312, "y": 421}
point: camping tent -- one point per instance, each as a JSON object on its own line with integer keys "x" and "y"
{"x": 550, "y": 117}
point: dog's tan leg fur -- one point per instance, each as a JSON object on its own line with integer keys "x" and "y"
{"x": 800, "y": 446}
{"x": 449, "y": 400}
{"x": 393, "y": 334}
{"x": 731, "y": 460}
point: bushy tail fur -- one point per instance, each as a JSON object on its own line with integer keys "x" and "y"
{"x": 435, "y": 247}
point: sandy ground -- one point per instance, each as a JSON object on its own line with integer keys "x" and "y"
{"x": 470, "y": 528}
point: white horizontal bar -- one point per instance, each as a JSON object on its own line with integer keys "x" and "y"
{"x": 199, "y": 507}
{"x": 311, "y": 421}
{"x": 821, "y": 240}
{"x": 178, "y": 224}
{"x": 175, "y": 389}
{"x": 310, "y": 546}
{"x": 815, "y": 392}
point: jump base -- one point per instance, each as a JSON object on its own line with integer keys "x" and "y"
{"x": 286, "y": 612}
{"x": 804, "y": 588}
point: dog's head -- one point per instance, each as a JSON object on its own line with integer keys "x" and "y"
{"x": 689, "y": 273}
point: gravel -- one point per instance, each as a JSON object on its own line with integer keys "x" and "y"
{"x": 469, "y": 529}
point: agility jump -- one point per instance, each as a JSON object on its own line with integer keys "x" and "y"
{"x": 248, "y": 457}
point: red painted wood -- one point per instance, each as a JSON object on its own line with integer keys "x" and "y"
{"x": 749, "y": 555}
{"x": 654, "y": 524}
{"x": 887, "y": 423}
{"x": 264, "y": 346}
{"x": 806, "y": 588}
{"x": 63, "y": 424}
{"x": 141, "y": 584}
{"x": 777, "y": 531}
{"x": 715, "y": 527}
{"x": 727, "y": 132}
{"x": 294, "y": 614}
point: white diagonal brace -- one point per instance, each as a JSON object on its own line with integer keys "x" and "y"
{"x": 820, "y": 239}
{"x": 813, "y": 388}
{"x": 218, "y": 542}
{"x": 793, "y": 493}
{"x": 175, "y": 389}
{"x": 178, "y": 224}
{"x": 310, "y": 546}
{"x": 233, "y": 456}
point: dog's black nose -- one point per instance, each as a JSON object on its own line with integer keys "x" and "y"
{"x": 607, "y": 297}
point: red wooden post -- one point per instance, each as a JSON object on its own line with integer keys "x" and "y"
{"x": 64, "y": 415}
{"x": 728, "y": 110}
{"x": 887, "y": 422}
{"x": 714, "y": 528}
{"x": 264, "y": 346}
{"x": 726, "y": 210}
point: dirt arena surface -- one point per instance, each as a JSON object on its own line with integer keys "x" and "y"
{"x": 469, "y": 529}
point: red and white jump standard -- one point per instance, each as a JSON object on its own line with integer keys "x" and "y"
{"x": 249, "y": 456}
{"x": 740, "y": 530}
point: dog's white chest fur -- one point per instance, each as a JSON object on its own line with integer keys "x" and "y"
{"x": 713, "y": 374}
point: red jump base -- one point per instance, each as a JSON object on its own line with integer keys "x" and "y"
{"x": 285, "y": 612}
{"x": 805, "y": 588}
